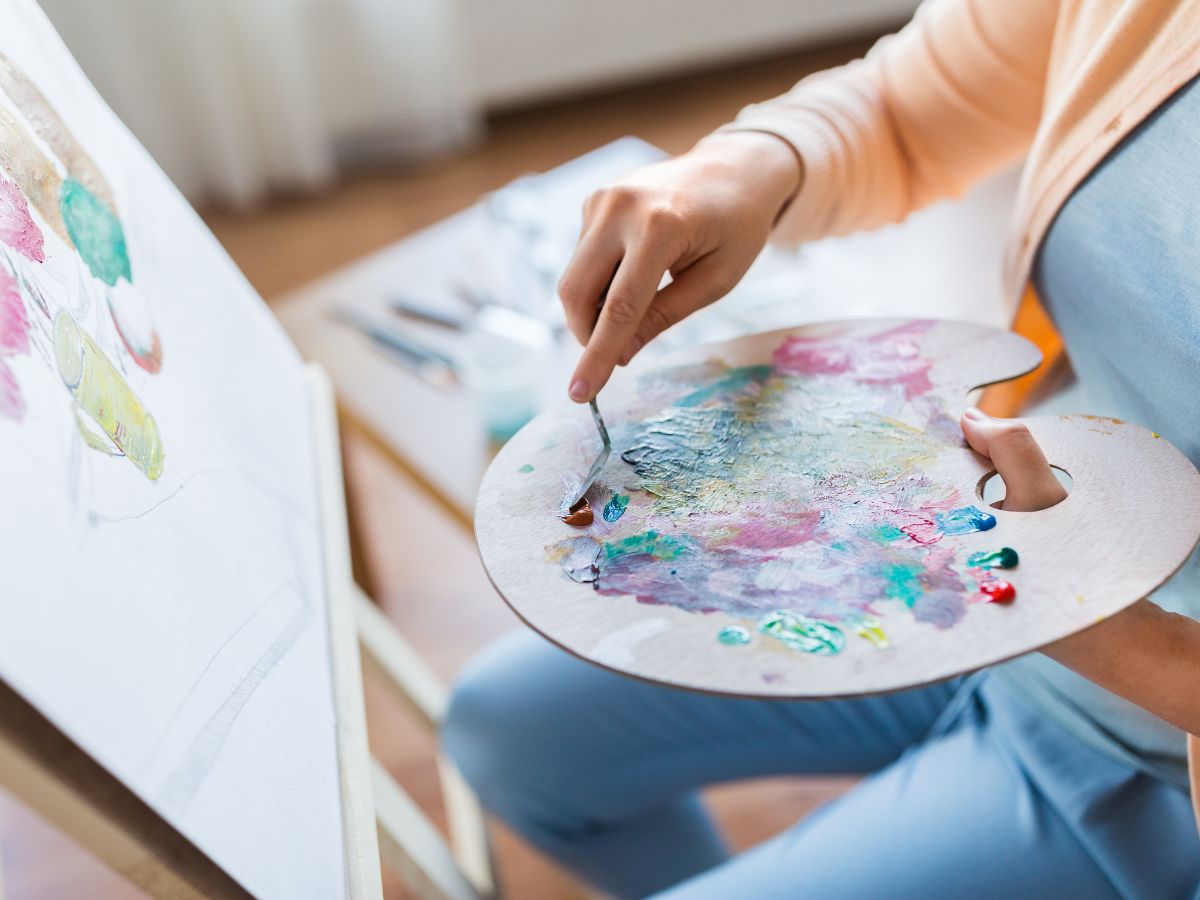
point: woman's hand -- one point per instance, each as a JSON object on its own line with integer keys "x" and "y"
{"x": 1145, "y": 654}
{"x": 703, "y": 217}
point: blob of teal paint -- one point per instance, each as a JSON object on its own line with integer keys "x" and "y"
{"x": 96, "y": 233}
{"x": 660, "y": 546}
{"x": 888, "y": 533}
{"x": 734, "y": 635}
{"x": 615, "y": 507}
{"x": 525, "y": 469}
{"x": 1004, "y": 558}
{"x": 904, "y": 582}
{"x": 965, "y": 520}
{"x": 733, "y": 381}
{"x": 802, "y": 633}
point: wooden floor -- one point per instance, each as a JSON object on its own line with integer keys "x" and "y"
{"x": 424, "y": 568}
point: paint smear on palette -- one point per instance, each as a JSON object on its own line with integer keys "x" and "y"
{"x": 793, "y": 494}
{"x": 104, "y": 396}
{"x": 578, "y": 557}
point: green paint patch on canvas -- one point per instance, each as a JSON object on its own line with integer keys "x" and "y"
{"x": 96, "y": 233}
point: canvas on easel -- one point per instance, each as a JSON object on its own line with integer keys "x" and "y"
{"x": 163, "y": 601}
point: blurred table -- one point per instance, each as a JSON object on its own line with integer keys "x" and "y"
{"x": 508, "y": 250}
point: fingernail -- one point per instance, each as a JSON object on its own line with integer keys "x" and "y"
{"x": 975, "y": 413}
{"x": 578, "y": 390}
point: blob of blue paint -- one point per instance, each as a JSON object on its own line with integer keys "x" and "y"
{"x": 964, "y": 520}
{"x": 615, "y": 507}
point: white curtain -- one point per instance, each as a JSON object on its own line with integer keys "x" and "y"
{"x": 235, "y": 98}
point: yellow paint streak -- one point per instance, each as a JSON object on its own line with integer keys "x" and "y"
{"x": 871, "y": 628}
{"x": 101, "y": 393}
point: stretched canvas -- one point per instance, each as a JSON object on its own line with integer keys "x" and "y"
{"x": 161, "y": 590}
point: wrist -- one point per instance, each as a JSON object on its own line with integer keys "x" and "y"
{"x": 766, "y": 164}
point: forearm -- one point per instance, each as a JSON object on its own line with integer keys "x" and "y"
{"x": 1145, "y": 654}
{"x": 954, "y": 96}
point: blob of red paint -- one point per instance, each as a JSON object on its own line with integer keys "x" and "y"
{"x": 998, "y": 591}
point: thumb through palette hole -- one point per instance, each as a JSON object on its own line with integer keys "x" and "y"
{"x": 991, "y": 489}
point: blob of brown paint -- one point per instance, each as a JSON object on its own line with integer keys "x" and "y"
{"x": 580, "y": 515}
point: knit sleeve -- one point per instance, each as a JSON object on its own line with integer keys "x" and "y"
{"x": 953, "y": 97}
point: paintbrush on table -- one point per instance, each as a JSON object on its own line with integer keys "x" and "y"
{"x": 426, "y": 363}
{"x": 430, "y": 314}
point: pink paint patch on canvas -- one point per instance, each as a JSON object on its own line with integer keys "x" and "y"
{"x": 17, "y": 228}
{"x": 14, "y": 323}
{"x": 12, "y": 404}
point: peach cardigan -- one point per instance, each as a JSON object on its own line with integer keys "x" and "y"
{"x": 967, "y": 88}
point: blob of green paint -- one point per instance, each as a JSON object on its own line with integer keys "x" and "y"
{"x": 96, "y": 233}
{"x": 660, "y": 546}
{"x": 1004, "y": 558}
{"x": 525, "y": 469}
{"x": 615, "y": 507}
{"x": 734, "y": 635}
{"x": 802, "y": 633}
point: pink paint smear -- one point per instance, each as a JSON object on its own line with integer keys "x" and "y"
{"x": 17, "y": 228}
{"x": 14, "y": 340}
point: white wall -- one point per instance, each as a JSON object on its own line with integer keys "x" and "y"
{"x": 520, "y": 50}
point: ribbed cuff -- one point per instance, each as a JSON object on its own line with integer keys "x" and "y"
{"x": 810, "y": 213}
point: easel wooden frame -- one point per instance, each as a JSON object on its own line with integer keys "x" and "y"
{"x": 51, "y": 774}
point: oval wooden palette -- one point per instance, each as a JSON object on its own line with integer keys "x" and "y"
{"x": 791, "y": 514}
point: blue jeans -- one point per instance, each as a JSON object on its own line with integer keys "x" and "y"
{"x": 968, "y": 793}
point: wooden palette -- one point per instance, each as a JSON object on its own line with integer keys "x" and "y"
{"x": 796, "y": 491}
